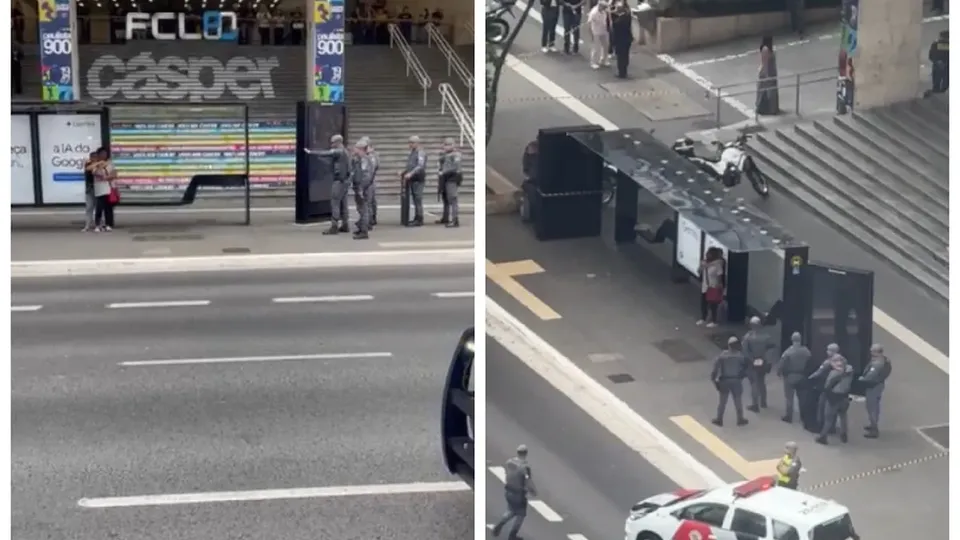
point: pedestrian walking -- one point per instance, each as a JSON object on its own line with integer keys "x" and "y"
{"x": 572, "y": 13}
{"x": 836, "y": 390}
{"x": 789, "y": 466}
{"x": 450, "y": 178}
{"x": 339, "y": 167}
{"x": 518, "y": 487}
{"x": 414, "y": 178}
{"x": 768, "y": 91}
{"x": 796, "y": 9}
{"x": 729, "y": 370}
{"x": 874, "y": 379}
{"x": 792, "y": 369}
{"x": 756, "y": 348}
{"x": 598, "y": 19}
{"x": 550, "y": 13}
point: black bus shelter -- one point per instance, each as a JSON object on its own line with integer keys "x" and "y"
{"x": 660, "y": 197}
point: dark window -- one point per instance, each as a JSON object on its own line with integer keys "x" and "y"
{"x": 782, "y": 531}
{"x": 709, "y": 513}
{"x": 749, "y": 523}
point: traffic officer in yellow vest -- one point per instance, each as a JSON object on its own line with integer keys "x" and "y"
{"x": 788, "y": 468}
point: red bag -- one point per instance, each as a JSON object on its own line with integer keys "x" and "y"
{"x": 714, "y": 295}
{"x": 114, "y": 196}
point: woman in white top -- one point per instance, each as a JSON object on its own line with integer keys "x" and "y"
{"x": 598, "y": 22}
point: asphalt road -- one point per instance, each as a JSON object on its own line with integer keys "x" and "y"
{"x": 242, "y": 410}
{"x": 586, "y": 478}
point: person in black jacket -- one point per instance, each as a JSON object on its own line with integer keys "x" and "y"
{"x": 621, "y": 37}
{"x": 572, "y": 16}
{"x": 939, "y": 57}
{"x": 550, "y": 10}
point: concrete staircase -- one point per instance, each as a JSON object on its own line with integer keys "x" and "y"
{"x": 880, "y": 177}
{"x": 388, "y": 107}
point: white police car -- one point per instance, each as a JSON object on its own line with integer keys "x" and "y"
{"x": 752, "y": 510}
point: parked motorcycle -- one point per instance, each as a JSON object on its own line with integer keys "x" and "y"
{"x": 729, "y": 164}
{"x": 497, "y": 27}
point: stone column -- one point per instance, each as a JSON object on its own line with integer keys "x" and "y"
{"x": 886, "y": 60}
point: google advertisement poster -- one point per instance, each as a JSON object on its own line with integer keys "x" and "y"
{"x": 65, "y": 144}
{"x": 688, "y": 245}
{"x": 21, "y": 161}
{"x": 165, "y": 156}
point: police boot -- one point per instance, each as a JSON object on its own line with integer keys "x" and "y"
{"x": 417, "y": 222}
{"x": 871, "y": 432}
{"x": 821, "y": 440}
{"x": 753, "y": 408}
{"x": 333, "y": 229}
{"x": 442, "y": 221}
{"x": 360, "y": 235}
{"x": 453, "y": 224}
{"x": 787, "y": 419}
{"x": 344, "y": 228}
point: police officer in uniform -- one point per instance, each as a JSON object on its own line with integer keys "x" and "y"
{"x": 451, "y": 176}
{"x": 518, "y": 487}
{"x": 788, "y": 468}
{"x": 756, "y": 347}
{"x": 373, "y": 187}
{"x": 792, "y": 369}
{"x": 729, "y": 370}
{"x": 836, "y": 390}
{"x": 874, "y": 379}
{"x": 939, "y": 57}
{"x": 362, "y": 183}
{"x": 820, "y": 375}
{"x": 415, "y": 177}
{"x": 341, "y": 167}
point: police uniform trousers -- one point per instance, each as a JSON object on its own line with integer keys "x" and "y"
{"x": 835, "y": 408}
{"x": 373, "y": 203}
{"x": 417, "y": 185}
{"x": 872, "y": 400}
{"x": 730, "y": 388}
{"x": 790, "y": 382}
{"x": 449, "y": 194}
{"x": 758, "y": 387}
{"x": 940, "y": 72}
{"x": 516, "y": 510}
{"x": 361, "y": 196}
{"x": 339, "y": 207}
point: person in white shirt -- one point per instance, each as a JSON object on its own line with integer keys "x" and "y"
{"x": 598, "y": 21}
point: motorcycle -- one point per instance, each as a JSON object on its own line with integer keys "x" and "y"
{"x": 729, "y": 165}
{"x": 497, "y": 27}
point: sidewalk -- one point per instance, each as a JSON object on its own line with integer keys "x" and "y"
{"x": 36, "y": 238}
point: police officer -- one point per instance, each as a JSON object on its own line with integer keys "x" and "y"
{"x": 451, "y": 176}
{"x": 756, "y": 347}
{"x": 874, "y": 379}
{"x": 788, "y": 468}
{"x": 729, "y": 370}
{"x": 373, "y": 187}
{"x": 362, "y": 182}
{"x": 940, "y": 61}
{"x": 792, "y": 369}
{"x": 415, "y": 177}
{"x": 518, "y": 487}
{"x": 341, "y": 167}
{"x": 819, "y": 377}
{"x": 621, "y": 36}
{"x": 836, "y": 390}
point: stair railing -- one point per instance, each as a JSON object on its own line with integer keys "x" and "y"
{"x": 468, "y": 26}
{"x": 413, "y": 63}
{"x": 451, "y": 102}
{"x": 454, "y": 64}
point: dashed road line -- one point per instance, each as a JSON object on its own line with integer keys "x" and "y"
{"x": 167, "y": 304}
{"x": 576, "y": 536}
{"x": 253, "y": 359}
{"x": 21, "y": 309}
{"x": 464, "y": 294}
{"x": 541, "y": 507}
{"x": 315, "y": 299}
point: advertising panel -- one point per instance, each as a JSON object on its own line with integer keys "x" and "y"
{"x": 166, "y": 156}
{"x": 21, "y": 161}
{"x": 65, "y": 144}
{"x": 688, "y": 245}
{"x": 56, "y": 50}
{"x": 328, "y": 51}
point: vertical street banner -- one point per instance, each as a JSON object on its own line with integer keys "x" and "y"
{"x": 846, "y": 82}
{"x": 328, "y": 30}
{"x": 57, "y": 42}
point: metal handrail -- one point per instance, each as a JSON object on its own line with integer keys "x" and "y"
{"x": 450, "y": 100}
{"x": 720, "y": 92}
{"x": 454, "y": 63}
{"x": 413, "y": 63}
{"x": 468, "y": 26}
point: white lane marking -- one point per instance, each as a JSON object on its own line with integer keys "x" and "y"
{"x": 914, "y": 342}
{"x": 427, "y": 244}
{"x": 171, "y": 303}
{"x": 26, "y": 308}
{"x": 464, "y": 294}
{"x": 273, "y": 494}
{"x": 313, "y": 299}
{"x": 543, "y": 508}
{"x": 787, "y": 45}
{"x": 150, "y": 211}
{"x": 249, "y": 359}
{"x": 576, "y": 536}
{"x": 597, "y": 401}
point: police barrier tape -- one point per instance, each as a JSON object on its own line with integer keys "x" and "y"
{"x": 879, "y": 470}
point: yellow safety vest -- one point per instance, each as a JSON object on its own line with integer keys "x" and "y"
{"x": 783, "y": 470}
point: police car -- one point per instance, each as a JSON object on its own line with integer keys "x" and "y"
{"x": 752, "y": 510}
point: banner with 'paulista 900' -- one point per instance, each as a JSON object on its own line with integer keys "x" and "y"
{"x": 56, "y": 50}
